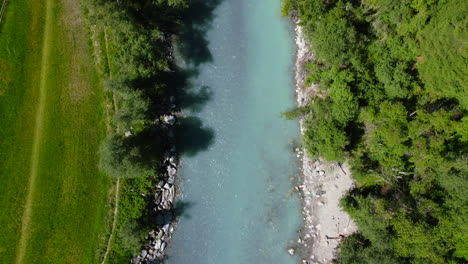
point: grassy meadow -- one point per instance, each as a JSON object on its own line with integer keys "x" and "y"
{"x": 52, "y": 195}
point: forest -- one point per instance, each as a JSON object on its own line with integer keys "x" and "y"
{"x": 395, "y": 76}
{"x": 133, "y": 51}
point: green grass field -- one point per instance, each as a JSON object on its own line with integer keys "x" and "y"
{"x": 52, "y": 196}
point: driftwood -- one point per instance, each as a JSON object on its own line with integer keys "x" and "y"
{"x": 339, "y": 164}
{"x": 338, "y": 237}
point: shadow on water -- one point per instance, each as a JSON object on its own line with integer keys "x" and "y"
{"x": 196, "y": 22}
{"x": 179, "y": 210}
{"x": 195, "y": 100}
{"x": 189, "y": 134}
{"x": 192, "y": 136}
{"x": 191, "y": 49}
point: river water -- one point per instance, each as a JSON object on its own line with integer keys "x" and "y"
{"x": 237, "y": 203}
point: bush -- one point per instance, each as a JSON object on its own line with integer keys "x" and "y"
{"x": 119, "y": 157}
{"x": 334, "y": 38}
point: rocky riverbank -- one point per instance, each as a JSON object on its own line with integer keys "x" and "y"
{"x": 322, "y": 183}
{"x": 163, "y": 202}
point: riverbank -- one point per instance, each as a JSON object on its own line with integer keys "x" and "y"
{"x": 322, "y": 183}
{"x": 163, "y": 203}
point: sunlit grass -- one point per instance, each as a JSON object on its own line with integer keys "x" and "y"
{"x": 70, "y": 193}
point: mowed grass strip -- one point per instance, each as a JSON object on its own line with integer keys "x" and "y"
{"x": 68, "y": 196}
{"x": 20, "y": 54}
{"x": 37, "y": 138}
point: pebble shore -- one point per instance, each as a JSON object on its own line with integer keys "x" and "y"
{"x": 322, "y": 183}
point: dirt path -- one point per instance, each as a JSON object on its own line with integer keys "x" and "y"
{"x": 27, "y": 211}
{"x": 2, "y": 10}
{"x": 117, "y": 185}
{"x": 116, "y": 211}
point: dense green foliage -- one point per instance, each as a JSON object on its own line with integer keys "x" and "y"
{"x": 133, "y": 52}
{"x": 120, "y": 158}
{"x": 134, "y": 55}
{"x": 395, "y": 73}
{"x": 134, "y": 220}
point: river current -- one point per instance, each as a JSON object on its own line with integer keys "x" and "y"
{"x": 237, "y": 202}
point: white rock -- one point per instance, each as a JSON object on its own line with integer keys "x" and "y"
{"x": 165, "y": 228}
{"x": 169, "y": 119}
{"x": 172, "y": 160}
{"x": 157, "y": 246}
{"x": 163, "y": 246}
{"x": 171, "y": 171}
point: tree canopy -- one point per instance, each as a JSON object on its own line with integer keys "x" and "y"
{"x": 395, "y": 76}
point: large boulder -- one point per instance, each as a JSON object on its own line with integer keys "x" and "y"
{"x": 173, "y": 160}
{"x": 171, "y": 180}
{"x": 163, "y": 245}
{"x": 160, "y": 184}
{"x": 171, "y": 194}
{"x": 157, "y": 246}
{"x": 166, "y": 227}
{"x": 171, "y": 171}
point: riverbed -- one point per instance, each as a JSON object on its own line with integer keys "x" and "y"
{"x": 237, "y": 165}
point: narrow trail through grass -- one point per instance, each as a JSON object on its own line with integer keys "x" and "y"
{"x": 2, "y": 10}
{"x": 27, "y": 211}
{"x": 114, "y": 220}
{"x": 117, "y": 184}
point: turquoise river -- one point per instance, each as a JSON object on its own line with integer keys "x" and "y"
{"x": 237, "y": 164}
